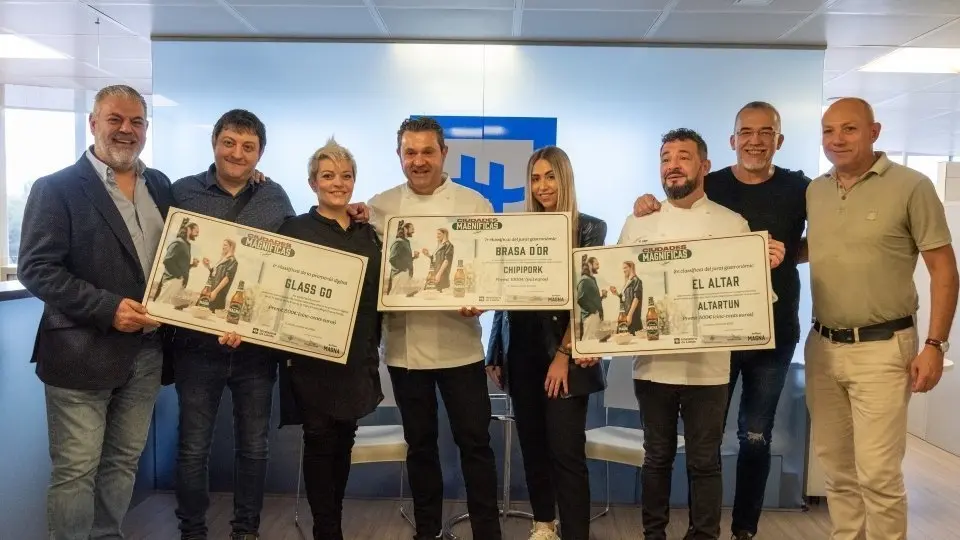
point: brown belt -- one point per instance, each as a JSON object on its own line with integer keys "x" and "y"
{"x": 874, "y": 332}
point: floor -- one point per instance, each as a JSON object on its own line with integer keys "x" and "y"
{"x": 932, "y": 475}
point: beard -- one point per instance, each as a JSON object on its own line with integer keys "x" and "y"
{"x": 679, "y": 191}
{"x": 754, "y": 164}
{"x": 117, "y": 156}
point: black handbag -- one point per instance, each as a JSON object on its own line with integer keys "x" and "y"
{"x": 583, "y": 381}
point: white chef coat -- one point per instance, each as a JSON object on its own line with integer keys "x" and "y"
{"x": 429, "y": 339}
{"x": 704, "y": 219}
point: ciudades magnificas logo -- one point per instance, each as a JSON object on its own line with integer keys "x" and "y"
{"x": 270, "y": 245}
{"x": 477, "y": 224}
{"x": 489, "y": 154}
{"x": 664, "y": 253}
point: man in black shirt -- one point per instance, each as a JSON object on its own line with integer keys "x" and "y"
{"x": 773, "y": 199}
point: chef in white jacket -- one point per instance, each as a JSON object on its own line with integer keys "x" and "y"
{"x": 426, "y": 350}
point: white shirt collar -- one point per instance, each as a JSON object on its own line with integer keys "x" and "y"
{"x": 444, "y": 185}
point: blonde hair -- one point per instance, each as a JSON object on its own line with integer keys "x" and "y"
{"x": 332, "y": 151}
{"x": 566, "y": 190}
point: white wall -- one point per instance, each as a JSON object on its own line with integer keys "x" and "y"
{"x": 933, "y": 416}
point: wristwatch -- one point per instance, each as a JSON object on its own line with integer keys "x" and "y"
{"x": 944, "y": 345}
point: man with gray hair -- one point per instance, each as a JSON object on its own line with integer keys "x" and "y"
{"x": 89, "y": 237}
{"x": 771, "y": 199}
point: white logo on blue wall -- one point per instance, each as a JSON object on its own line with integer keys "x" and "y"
{"x": 489, "y": 154}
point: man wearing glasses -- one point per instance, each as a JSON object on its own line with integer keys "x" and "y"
{"x": 773, "y": 199}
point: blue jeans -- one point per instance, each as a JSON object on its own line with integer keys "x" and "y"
{"x": 96, "y": 438}
{"x": 764, "y": 373}
{"x": 202, "y": 373}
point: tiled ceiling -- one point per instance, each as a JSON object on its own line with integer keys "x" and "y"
{"x": 109, "y": 40}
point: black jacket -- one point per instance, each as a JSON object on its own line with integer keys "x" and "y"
{"x": 77, "y": 256}
{"x": 550, "y": 328}
{"x": 343, "y": 391}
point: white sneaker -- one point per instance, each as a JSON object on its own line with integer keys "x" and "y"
{"x": 544, "y": 531}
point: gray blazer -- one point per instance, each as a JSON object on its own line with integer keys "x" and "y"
{"x": 77, "y": 256}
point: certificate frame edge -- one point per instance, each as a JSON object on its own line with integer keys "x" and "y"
{"x": 769, "y": 344}
{"x": 173, "y": 210}
{"x": 384, "y": 258}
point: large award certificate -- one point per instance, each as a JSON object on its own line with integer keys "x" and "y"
{"x": 711, "y": 294}
{"x": 489, "y": 261}
{"x": 215, "y": 276}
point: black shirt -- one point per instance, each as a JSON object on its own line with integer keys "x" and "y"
{"x": 351, "y": 390}
{"x": 778, "y": 206}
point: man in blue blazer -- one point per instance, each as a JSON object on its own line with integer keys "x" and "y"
{"x": 89, "y": 237}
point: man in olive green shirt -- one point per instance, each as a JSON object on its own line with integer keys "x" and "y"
{"x": 869, "y": 220}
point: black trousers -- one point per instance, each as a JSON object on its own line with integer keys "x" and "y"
{"x": 702, "y": 409}
{"x": 327, "y": 445}
{"x": 464, "y": 393}
{"x": 552, "y": 440}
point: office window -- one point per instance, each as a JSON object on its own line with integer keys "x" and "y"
{"x": 37, "y": 143}
{"x": 927, "y": 165}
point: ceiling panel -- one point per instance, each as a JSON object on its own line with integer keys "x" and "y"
{"x": 154, "y": 2}
{"x": 55, "y": 18}
{"x": 304, "y": 3}
{"x": 449, "y": 23}
{"x": 876, "y": 87}
{"x": 950, "y": 84}
{"x": 947, "y": 35}
{"x": 311, "y": 21}
{"x": 726, "y": 27}
{"x": 202, "y": 20}
{"x": 914, "y": 7}
{"x": 450, "y": 4}
{"x": 841, "y": 30}
{"x": 595, "y": 25}
{"x": 927, "y": 101}
{"x": 727, "y": 5}
{"x": 89, "y": 48}
{"x": 584, "y": 5}
{"x": 847, "y": 58}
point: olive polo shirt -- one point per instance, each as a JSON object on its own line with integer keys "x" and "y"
{"x": 863, "y": 243}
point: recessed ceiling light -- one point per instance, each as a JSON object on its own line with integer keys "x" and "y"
{"x": 162, "y": 101}
{"x": 916, "y": 60}
{"x": 13, "y": 46}
{"x": 752, "y": 2}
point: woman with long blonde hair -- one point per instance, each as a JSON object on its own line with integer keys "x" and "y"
{"x": 550, "y": 390}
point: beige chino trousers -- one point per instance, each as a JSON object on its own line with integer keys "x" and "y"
{"x": 857, "y": 395}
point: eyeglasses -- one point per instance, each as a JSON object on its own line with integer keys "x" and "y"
{"x": 763, "y": 134}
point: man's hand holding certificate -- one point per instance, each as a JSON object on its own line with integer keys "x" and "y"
{"x": 516, "y": 261}
{"x": 674, "y": 297}
{"x": 215, "y": 276}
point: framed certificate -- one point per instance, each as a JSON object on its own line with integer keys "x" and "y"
{"x": 684, "y": 296}
{"x": 216, "y": 276}
{"x": 517, "y": 261}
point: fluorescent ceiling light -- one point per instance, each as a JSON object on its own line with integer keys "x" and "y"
{"x": 13, "y": 46}
{"x": 917, "y": 60}
{"x": 159, "y": 100}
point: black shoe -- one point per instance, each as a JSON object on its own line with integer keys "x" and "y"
{"x": 743, "y": 535}
{"x": 244, "y": 536}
